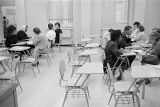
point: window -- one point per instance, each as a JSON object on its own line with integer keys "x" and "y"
{"x": 61, "y": 11}
{"x": 114, "y": 12}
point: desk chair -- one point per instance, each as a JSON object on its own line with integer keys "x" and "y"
{"x": 71, "y": 85}
{"x": 74, "y": 63}
{"x": 10, "y": 76}
{"x": 31, "y": 61}
{"x": 124, "y": 92}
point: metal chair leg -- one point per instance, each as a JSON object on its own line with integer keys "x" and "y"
{"x": 88, "y": 92}
{"x": 38, "y": 68}
{"x": 137, "y": 98}
{"x": 110, "y": 98}
{"x": 86, "y": 97}
{"x": 19, "y": 84}
{"x": 33, "y": 71}
{"x": 65, "y": 98}
{"x": 116, "y": 103}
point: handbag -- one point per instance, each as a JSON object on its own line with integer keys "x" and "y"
{"x": 150, "y": 59}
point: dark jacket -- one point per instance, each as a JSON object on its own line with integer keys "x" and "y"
{"x": 111, "y": 52}
{"x": 125, "y": 41}
{"x": 156, "y": 49}
{"x": 11, "y": 39}
{"x": 22, "y": 35}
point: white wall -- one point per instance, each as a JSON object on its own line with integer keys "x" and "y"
{"x": 36, "y": 15}
{"x": 1, "y": 26}
{"x": 152, "y": 15}
{"x": 140, "y": 7}
{"x": 20, "y": 17}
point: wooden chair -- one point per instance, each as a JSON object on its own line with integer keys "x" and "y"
{"x": 71, "y": 85}
{"x": 124, "y": 92}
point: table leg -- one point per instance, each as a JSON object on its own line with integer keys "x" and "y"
{"x": 78, "y": 79}
{"x": 143, "y": 89}
{"x": 3, "y": 66}
{"x": 85, "y": 79}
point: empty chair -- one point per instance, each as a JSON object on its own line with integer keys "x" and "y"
{"x": 124, "y": 92}
{"x": 33, "y": 63}
{"x": 73, "y": 86}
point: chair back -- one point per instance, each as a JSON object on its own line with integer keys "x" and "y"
{"x": 62, "y": 69}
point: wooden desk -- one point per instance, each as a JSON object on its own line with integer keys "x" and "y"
{"x": 8, "y": 95}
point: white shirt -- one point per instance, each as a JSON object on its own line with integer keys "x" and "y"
{"x": 51, "y": 35}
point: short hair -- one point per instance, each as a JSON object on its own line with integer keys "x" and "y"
{"x": 136, "y": 23}
{"x": 110, "y": 30}
{"x": 11, "y": 29}
{"x": 4, "y": 17}
{"x": 141, "y": 28}
{"x": 127, "y": 28}
{"x": 50, "y": 26}
{"x": 58, "y": 24}
{"x": 115, "y": 35}
{"x": 36, "y": 30}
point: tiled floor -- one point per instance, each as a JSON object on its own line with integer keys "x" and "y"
{"x": 44, "y": 91}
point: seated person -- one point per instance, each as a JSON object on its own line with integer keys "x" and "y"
{"x": 105, "y": 38}
{"x": 51, "y": 34}
{"x": 126, "y": 37}
{"x": 22, "y": 33}
{"x": 155, "y": 50}
{"x": 40, "y": 41}
{"x": 11, "y": 37}
{"x": 135, "y": 29}
{"x": 58, "y": 32}
{"x": 140, "y": 37}
{"x": 112, "y": 52}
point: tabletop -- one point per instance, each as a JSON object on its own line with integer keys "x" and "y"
{"x": 146, "y": 71}
{"x": 134, "y": 47}
{"x": 128, "y": 54}
{"x": 19, "y": 48}
{"x": 19, "y": 43}
{"x": 89, "y": 52}
{"x": 92, "y": 45}
{"x": 3, "y": 49}
{"x": 91, "y": 68}
{"x": 86, "y": 39}
{"x": 2, "y": 58}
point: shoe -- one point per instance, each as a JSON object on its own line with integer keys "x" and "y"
{"x": 147, "y": 81}
{"x": 139, "y": 82}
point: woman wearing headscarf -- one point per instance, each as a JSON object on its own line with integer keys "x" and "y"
{"x": 22, "y": 33}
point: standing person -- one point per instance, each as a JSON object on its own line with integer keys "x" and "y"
{"x": 5, "y": 25}
{"x": 58, "y": 32}
{"x": 22, "y": 35}
{"x": 11, "y": 37}
{"x": 51, "y": 34}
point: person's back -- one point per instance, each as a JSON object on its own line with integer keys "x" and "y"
{"x": 112, "y": 52}
{"x": 51, "y": 35}
{"x": 11, "y": 39}
{"x": 22, "y": 35}
{"x": 43, "y": 41}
